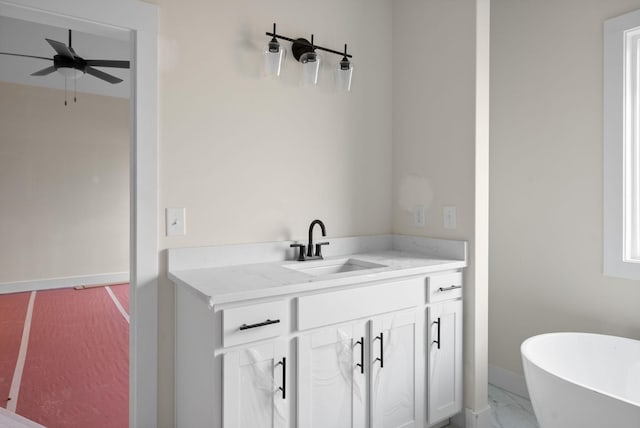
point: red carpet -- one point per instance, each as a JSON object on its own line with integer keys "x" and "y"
{"x": 13, "y": 308}
{"x": 76, "y": 372}
{"x": 122, "y": 293}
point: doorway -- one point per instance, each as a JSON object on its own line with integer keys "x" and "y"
{"x": 139, "y": 20}
{"x": 64, "y": 157}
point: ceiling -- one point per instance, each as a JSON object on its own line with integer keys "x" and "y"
{"x": 28, "y": 38}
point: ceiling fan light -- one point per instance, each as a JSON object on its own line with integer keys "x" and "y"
{"x": 70, "y": 72}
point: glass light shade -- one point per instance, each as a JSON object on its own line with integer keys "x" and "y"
{"x": 274, "y": 56}
{"x": 69, "y": 72}
{"x": 344, "y": 72}
{"x": 310, "y": 67}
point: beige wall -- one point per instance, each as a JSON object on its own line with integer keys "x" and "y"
{"x": 440, "y": 137}
{"x": 64, "y": 184}
{"x": 256, "y": 160}
{"x": 433, "y": 114}
{"x": 546, "y": 177}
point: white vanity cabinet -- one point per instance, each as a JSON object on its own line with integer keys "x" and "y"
{"x": 332, "y": 377}
{"x": 346, "y": 370}
{"x": 397, "y": 370}
{"x": 363, "y": 355}
{"x": 255, "y": 386}
{"x": 378, "y": 370}
{"x": 444, "y": 347}
{"x": 238, "y": 384}
{"x": 445, "y": 360}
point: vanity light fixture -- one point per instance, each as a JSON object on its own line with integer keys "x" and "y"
{"x": 344, "y": 73}
{"x": 304, "y": 51}
{"x": 310, "y": 61}
{"x": 274, "y": 56}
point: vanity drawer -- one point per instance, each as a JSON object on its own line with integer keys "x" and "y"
{"x": 254, "y": 322}
{"x": 346, "y": 305}
{"x": 444, "y": 287}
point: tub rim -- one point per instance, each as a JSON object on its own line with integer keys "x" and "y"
{"x": 526, "y": 355}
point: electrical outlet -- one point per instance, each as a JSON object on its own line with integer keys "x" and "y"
{"x": 418, "y": 216}
{"x": 449, "y": 214}
{"x": 176, "y": 222}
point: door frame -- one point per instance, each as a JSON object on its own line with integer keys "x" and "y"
{"x": 141, "y": 21}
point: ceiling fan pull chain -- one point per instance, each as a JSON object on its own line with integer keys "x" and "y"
{"x": 75, "y": 83}
{"x": 65, "y": 90}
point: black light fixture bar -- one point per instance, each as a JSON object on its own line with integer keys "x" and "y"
{"x": 304, "y": 42}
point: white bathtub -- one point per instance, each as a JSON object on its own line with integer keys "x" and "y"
{"x": 583, "y": 380}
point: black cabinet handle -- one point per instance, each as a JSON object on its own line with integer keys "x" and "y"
{"x": 260, "y": 324}
{"x": 453, "y": 287}
{"x": 381, "y": 359}
{"x": 283, "y": 388}
{"x": 361, "y": 365}
{"x": 437, "y": 341}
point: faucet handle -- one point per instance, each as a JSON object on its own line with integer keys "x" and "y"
{"x": 301, "y": 249}
{"x": 319, "y": 248}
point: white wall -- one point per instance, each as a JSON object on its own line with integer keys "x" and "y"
{"x": 257, "y": 160}
{"x": 64, "y": 184}
{"x": 440, "y": 137}
{"x": 546, "y": 177}
{"x": 254, "y": 159}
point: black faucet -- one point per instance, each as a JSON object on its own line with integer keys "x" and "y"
{"x": 318, "y": 253}
{"x": 310, "y": 254}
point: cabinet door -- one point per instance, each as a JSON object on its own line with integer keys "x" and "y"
{"x": 445, "y": 360}
{"x": 255, "y": 384}
{"x": 397, "y": 370}
{"x": 332, "y": 374}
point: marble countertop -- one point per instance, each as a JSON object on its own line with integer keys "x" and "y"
{"x": 234, "y": 283}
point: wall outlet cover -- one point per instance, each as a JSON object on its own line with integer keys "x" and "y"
{"x": 450, "y": 217}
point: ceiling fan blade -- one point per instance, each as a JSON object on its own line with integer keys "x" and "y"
{"x": 26, "y": 56}
{"x": 44, "y": 71}
{"x": 102, "y": 75}
{"x": 60, "y": 48}
{"x": 107, "y": 63}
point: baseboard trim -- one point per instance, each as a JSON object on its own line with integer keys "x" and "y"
{"x": 442, "y": 424}
{"x": 509, "y": 381}
{"x": 66, "y": 282}
{"x": 471, "y": 419}
{"x": 480, "y": 419}
{"x": 457, "y": 421}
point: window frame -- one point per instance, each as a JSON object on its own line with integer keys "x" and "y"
{"x": 621, "y": 145}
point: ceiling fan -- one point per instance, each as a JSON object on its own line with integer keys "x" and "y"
{"x": 72, "y": 65}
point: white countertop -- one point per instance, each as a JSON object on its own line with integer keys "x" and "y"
{"x": 237, "y": 282}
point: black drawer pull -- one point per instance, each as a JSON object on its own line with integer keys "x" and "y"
{"x": 283, "y": 388}
{"x": 437, "y": 342}
{"x": 381, "y": 359}
{"x": 361, "y": 364}
{"x": 260, "y": 324}
{"x": 453, "y": 287}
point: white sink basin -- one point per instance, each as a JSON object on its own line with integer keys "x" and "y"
{"x": 329, "y": 267}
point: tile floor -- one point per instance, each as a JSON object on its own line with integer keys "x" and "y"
{"x": 509, "y": 410}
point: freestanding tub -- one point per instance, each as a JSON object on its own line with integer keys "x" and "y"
{"x": 581, "y": 380}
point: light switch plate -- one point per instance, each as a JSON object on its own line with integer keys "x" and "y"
{"x": 176, "y": 222}
{"x": 449, "y": 214}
